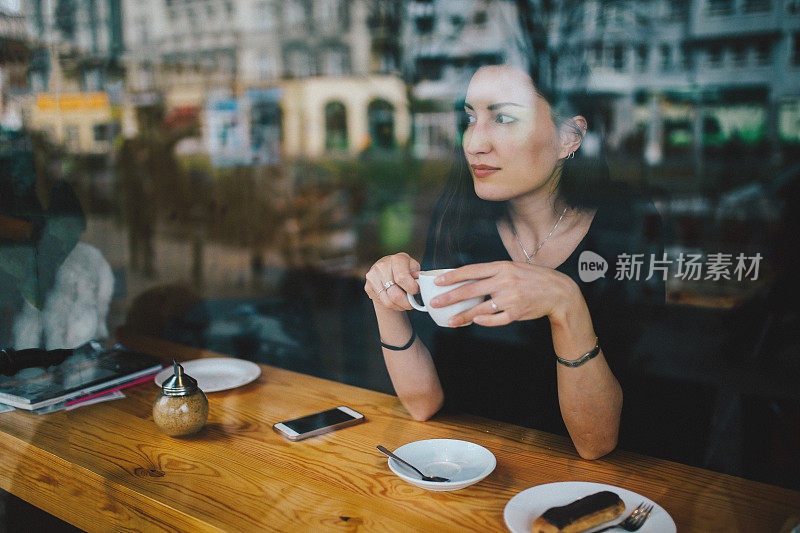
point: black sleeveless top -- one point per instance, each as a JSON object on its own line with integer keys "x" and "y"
{"x": 508, "y": 373}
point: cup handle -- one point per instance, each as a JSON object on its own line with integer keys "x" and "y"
{"x": 413, "y": 301}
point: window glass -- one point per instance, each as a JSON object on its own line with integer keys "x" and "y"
{"x": 237, "y": 167}
{"x": 796, "y": 49}
{"x": 714, "y": 56}
{"x": 265, "y": 13}
{"x": 294, "y": 13}
{"x": 335, "y": 61}
{"x": 757, "y": 5}
{"x": 764, "y": 53}
{"x": 381, "y": 123}
{"x": 677, "y": 10}
{"x": 720, "y": 7}
{"x": 328, "y": 11}
{"x": 666, "y": 57}
{"x": 740, "y": 55}
{"x": 299, "y": 62}
{"x": 619, "y": 58}
{"x": 335, "y": 127}
{"x": 642, "y": 57}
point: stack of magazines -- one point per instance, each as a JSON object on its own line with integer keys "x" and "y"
{"x": 87, "y": 373}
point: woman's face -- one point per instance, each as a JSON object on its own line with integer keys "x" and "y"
{"x": 511, "y": 144}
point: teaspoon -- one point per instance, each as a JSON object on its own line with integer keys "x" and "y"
{"x": 424, "y": 477}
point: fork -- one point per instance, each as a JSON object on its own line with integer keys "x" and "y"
{"x": 634, "y": 521}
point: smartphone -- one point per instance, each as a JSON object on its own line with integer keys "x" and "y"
{"x": 318, "y": 423}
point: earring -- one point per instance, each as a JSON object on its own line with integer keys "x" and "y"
{"x": 570, "y": 156}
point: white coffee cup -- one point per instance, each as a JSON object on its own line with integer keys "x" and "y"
{"x": 429, "y": 290}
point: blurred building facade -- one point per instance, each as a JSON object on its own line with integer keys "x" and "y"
{"x": 681, "y": 68}
{"x": 15, "y": 54}
{"x": 444, "y": 41}
{"x": 270, "y": 78}
{"x": 318, "y": 75}
{"x": 78, "y": 42}
{"x": 75, "y": 72}
{"x": 82, "y": 122}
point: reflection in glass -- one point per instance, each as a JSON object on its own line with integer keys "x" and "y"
{"x": 381, "y": 123}
{"x": 335, "y": 127}
{"x": 242, "y": 164}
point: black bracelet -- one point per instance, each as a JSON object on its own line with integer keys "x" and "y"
{"x": 584, "y": 358}
{"x": 406, "y": 346}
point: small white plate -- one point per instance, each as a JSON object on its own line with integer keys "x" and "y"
{"x": 216, "y": 373}
{"x": 463, "y": 463}
{"x": 525, "y": 507}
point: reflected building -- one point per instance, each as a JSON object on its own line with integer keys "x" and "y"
{"x": 82, "y": 122}
{"x": 15, "y": 54}
{"x": 308, "y": 77}
{"x": 75, "y": 74}
{"x": 79, "y": 44}
{"x": 443, "y": 43}
{"x": 649, "y": 74}
{"x": 670, "y": 71}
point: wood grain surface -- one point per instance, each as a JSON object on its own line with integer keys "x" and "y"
{"x": 107, "y": 467}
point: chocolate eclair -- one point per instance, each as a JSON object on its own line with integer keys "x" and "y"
{"x": 580, "y": 515}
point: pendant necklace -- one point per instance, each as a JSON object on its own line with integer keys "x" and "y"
{"x": 529, "y": 256}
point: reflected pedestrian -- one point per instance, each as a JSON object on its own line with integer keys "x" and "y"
{"x": 139, "y": 202}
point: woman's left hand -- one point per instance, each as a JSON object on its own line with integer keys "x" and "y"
{"x": 519, "y": 292}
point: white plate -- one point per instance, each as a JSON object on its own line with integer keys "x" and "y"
{"x": 525, "y": 507}
{"x": 463, "y": 463}
{"x": 216, "y": 373}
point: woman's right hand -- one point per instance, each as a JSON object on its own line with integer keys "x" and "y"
{"x": 401, "y": 269}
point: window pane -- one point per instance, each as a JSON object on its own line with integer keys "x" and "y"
{"x": 224, "y": 174}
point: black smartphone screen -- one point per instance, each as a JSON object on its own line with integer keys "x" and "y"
{"x": 305, "y": 424}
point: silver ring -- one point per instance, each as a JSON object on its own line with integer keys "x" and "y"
{"x": 386, "y": 285}
{"x": 494, "y": 305}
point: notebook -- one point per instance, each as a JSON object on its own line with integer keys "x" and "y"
{"x": 84, "y": 372}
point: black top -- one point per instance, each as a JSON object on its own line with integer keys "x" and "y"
{"x": 508, "y": 373}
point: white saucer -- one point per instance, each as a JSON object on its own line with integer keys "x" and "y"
{"x": 525, "y": 507}
{"x": 463, "y": 463}
{"x": 216, "y": 373}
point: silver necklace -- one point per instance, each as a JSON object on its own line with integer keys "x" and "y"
{"x": 530, "y": 256}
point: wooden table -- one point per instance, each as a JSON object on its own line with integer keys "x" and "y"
{"x": 106, "y": 467}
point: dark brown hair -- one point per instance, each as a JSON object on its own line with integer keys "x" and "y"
{"x": 582, "y": 183}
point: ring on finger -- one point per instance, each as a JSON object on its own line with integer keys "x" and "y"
{"x": 386, "y": 285}
{"x": 494, "y": 306}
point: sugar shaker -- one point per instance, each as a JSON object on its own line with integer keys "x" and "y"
{"x": 181, "y": 408}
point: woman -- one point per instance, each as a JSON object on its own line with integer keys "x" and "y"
{"x": 513, "y": 223}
